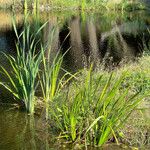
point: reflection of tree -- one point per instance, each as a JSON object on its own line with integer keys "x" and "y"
{"x": 92, "y": 40}
{"x": 117, "y": 40}
{"x": 76, "y": 51}
{"x": 122, "y": 41}
{"x": 114, "y": 45}
{"x": 51, "y": 37}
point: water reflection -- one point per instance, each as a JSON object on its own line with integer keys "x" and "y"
{"x": 7, "y": 36}
{"x": 21, "y": 131}
{"x": 90, "y": 38}
{"x": 16, "y": 129}
{"x": 51, "y": 36}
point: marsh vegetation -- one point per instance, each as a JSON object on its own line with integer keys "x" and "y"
{"x": 84, "y": 79}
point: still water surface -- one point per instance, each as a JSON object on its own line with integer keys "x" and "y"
{"x": 18, "y": 131}
{"x": 90, "y": 38}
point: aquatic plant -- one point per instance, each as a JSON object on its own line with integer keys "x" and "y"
{"x": 93, "y": 110}
{"x": 24, "y": 68}
{"x": 49, "y": 78}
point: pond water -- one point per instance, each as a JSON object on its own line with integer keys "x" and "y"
{"x": 90, "y": 37}
{"x": 18, "y": 131}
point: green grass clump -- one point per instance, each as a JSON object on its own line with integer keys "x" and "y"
{"x": 93, "y": 110}
{"x": 138, "y": 75}
{"x": 137, "y": 129}
{"x": 21, "y": 80}
{"x": 49, "y": 78}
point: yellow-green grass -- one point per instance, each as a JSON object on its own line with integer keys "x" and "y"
{"x": 86, "y": 110}
{"x": 137, "y": 129}
{"x": 9, "y": 3}
{"x": 74, "y": 4}
{"x": 94, "y": 97}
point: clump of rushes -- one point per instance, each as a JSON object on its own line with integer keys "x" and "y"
{"x": 93, "y": 110}
{"x": 50, "y": 81}
{"x": 49, "y": 78}
{"x": 21, "y": 79}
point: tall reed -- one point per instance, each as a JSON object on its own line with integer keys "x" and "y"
{"x": 50, "y": 79}
{"x": 36, "y": 5}
{"x": 24, "y": 68}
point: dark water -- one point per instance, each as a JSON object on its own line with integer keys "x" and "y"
{"x": 90, "y": 37}
{"x": 18, "y": 131}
